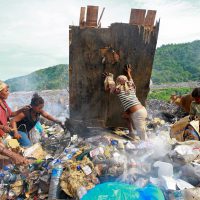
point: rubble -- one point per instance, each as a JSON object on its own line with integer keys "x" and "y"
{"x": 105, "y": 157}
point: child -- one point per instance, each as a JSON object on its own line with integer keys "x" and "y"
{"x": 125, "y": 89}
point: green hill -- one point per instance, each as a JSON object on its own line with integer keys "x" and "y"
{"x": 55, "y": 77}
{"x": 177, "y": 63}
{"x": 172, "y": 63}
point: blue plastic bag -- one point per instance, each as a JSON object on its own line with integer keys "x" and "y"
{"x": 39, "y": 127}
{"x": 122, "y": 191}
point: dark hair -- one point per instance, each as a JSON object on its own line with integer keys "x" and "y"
{"x": 36, "y": 100}
{"x": 196, "y": 92}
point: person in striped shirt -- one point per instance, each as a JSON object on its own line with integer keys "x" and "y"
{"x": 135, "y": 112}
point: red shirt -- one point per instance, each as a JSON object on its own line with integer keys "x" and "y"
{"x": 5, "y": 113}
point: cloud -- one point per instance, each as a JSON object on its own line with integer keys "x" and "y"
{"x": 34, "y": 33}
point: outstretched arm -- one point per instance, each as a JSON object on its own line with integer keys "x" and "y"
{"x": 128, "y": 70}
{"x": 49, "y": 117}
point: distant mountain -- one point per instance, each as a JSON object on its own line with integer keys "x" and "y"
{"x": 177, "y": 63}
{"x": 172, "y": 63}
{"x": 50, "y": 78}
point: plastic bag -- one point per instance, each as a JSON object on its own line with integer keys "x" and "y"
{"x": 36, "y": 133}
{"x": 121, "y": 191}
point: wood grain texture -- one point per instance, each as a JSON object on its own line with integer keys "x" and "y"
{"x": 88, "y": 100}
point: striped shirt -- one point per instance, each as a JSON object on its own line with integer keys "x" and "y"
{"x": 128, "y": 99}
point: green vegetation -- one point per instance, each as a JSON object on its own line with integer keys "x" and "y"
{"x": 177, "y": 63}
{"x": 55, "y": 77}
{"x": 164, "y": 94}
{"x": 172, "y": 63}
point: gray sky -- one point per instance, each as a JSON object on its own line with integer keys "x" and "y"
{"x": 34, "y": 33}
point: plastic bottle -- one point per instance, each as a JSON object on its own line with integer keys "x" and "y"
{"x": 1, "y": 177}
{"x": 81, "y": 191}
{"x": 9, "y": 178}
{"x": 9, "y": 167}
{"x": 54, "y": 189}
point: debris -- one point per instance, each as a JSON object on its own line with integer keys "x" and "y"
{"x": 35, "y": 151}
{"x": 79, "y": 165}
{"x": 13, "y": 143}
{"x": 164, "y": 169}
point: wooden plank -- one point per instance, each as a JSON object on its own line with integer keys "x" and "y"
{"x": 150, "y": 18}
{"x": 99, "y": 22}
{"x": 88, "y": 100}
{"x": 137, "y": 16}
{"x": 82, "y": 17}
{"x": 92, "y": 15}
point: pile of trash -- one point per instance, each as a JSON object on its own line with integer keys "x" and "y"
{"x": 164, "y": 110}
{"x": 104, "y": 166}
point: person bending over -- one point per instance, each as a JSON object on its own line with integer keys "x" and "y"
{"x": 135, "y": 112}
{"x": 25, "y": 121}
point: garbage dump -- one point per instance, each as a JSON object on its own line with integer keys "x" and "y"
{"x": 107, "y": 165}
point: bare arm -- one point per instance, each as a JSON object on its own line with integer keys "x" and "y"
{"x": 49, "y": 117}
{"x": 13, "y": 114}
{"x": 128, "y": 71}
{"x": 14, "y": 121}
{"x": 17, "y": 158}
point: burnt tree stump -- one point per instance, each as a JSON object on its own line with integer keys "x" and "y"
{"x": 135, "y": 44}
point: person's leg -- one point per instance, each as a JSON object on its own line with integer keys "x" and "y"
{"x": 24, "y": 140}
{"x": 139, "y": 121}
{"x": 127, "y": 117}
{"x": 130, "y": 127}
{"x": 132, "y": 130}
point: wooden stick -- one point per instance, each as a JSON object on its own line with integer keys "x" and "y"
{"x": 100, "y": 17}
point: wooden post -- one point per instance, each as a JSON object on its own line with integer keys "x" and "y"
{"x": 137, "y": 16}
{"x": 82, "y": 17}
{"x": 88, "y": 100}
{"x": 150, "y": 18}
{"x": 92, "y": 15}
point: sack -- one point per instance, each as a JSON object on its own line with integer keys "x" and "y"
{"x": 185, "y": 130}
{"x": 192, "y": 131}
{"x": 35, "y": 133}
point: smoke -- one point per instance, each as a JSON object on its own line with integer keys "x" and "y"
{"x": 56, "y": 102}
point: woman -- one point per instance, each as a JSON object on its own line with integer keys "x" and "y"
{"x": 134, "y": 111}
{"x": 5, "y": 111}
{"x": 5, "y": 114}
{"x": 25, "y": 121}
